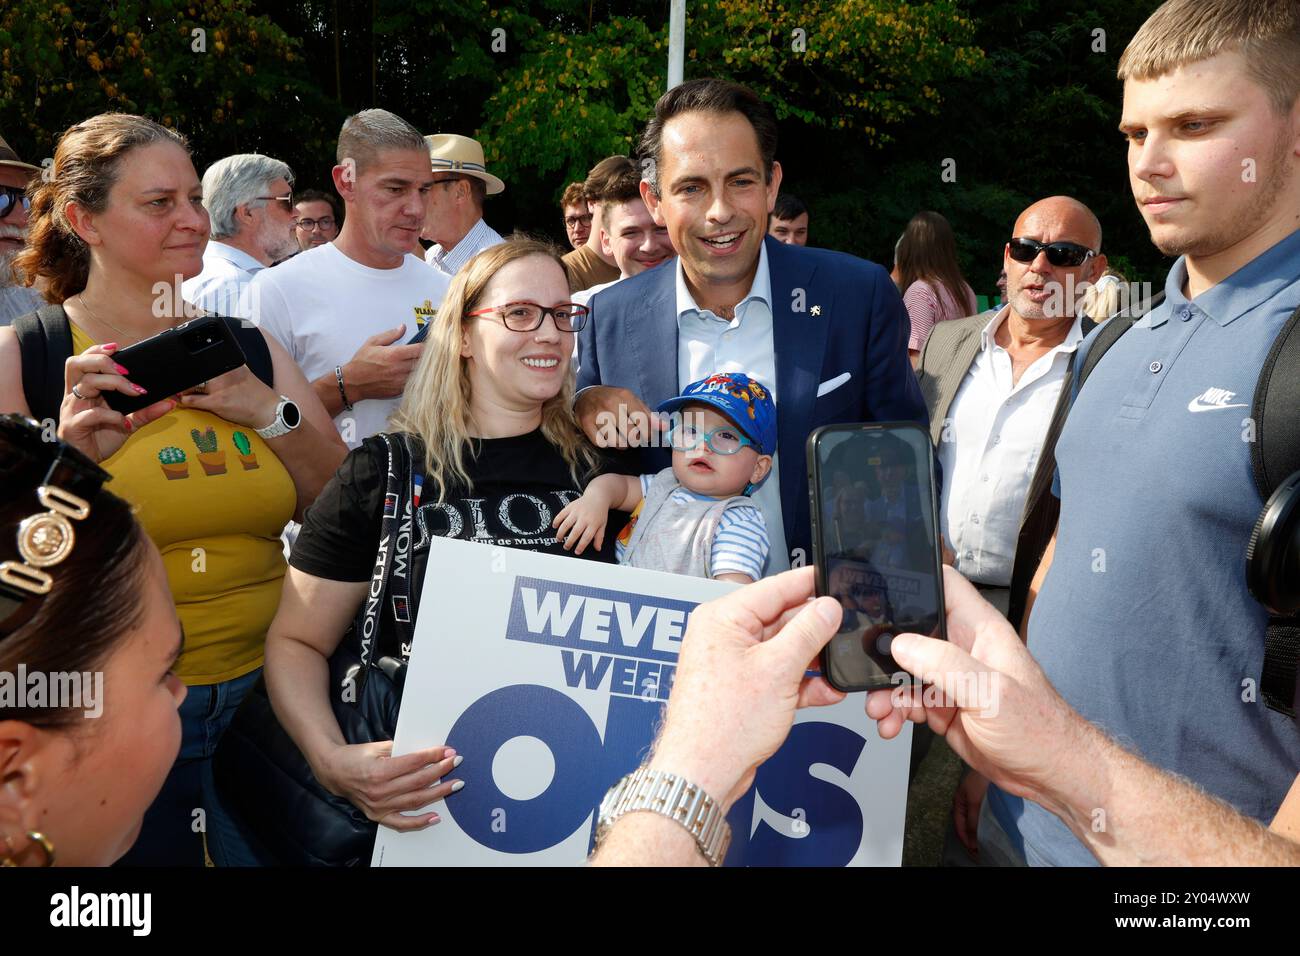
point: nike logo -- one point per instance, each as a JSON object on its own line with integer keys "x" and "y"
{"x": 1213, "y": 398}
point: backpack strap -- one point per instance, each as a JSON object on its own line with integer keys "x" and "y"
{"x": 257, "y": 354}
{"x": 1275, "y": 453}
{"x": 1274, "y": 457}
{"x": 45, "y": 343}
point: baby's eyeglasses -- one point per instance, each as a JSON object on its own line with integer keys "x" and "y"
{"x": 724, "y": 440}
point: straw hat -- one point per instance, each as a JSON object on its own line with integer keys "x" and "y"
{"x": 460, "y": 154}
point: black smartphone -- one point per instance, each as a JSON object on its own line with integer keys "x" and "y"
{"x": 176, "y": 360}
{"x": 876, "y": 547}
{"x": 421, "y": 334}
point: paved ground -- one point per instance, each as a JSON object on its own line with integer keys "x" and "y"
{"x": 929, "y": 806}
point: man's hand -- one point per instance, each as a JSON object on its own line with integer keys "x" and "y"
{"x": 615, "y": 418}
{"x": 966, "y": 803}
{"x": 740, "y": 678}
{"x": 984, "y": 694}
{"x": 380, "y": 369}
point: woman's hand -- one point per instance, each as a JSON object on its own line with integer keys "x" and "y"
{"x": 85, "y": 420}
{"x": 383, "y": 786}
{"x": 240, "y": 397}
{"x": 580, "y": 522}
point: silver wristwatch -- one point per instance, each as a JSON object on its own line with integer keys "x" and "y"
{"x": 674, "y": 797}
{"x": 287, "y": 418}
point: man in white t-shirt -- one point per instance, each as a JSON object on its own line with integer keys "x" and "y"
{"x": 628, "y": 232}
{"x": 249, "y": 199}
{"x": 344, "y": 309}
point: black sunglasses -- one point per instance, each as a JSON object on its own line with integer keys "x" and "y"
{"x": 10, "y": 197}
{"x": 1058, "y": 253}
{"x": 56, "y": 477}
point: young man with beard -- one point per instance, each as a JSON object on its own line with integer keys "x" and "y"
{"x": 1140, "y": 611}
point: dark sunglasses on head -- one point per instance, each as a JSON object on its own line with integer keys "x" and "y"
{"x": 10, "y": 197}
{"x": 1058, "y": 253}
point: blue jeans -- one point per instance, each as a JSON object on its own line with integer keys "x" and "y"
{"x": 188, "y": 805}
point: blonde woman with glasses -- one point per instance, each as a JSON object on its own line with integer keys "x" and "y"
{"x": 494, "y": 454}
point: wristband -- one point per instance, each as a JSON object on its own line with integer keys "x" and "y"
{"x": 338, "y": 374}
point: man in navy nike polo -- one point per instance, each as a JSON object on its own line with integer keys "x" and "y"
{"x": 1142, "y": 618}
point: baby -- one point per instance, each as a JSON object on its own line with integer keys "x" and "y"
{"x": 695, "y": 517}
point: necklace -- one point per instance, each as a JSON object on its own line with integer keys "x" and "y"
{"x": 81, "y": 296}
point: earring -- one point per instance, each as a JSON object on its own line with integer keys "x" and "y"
{"x": 34, "y": 838}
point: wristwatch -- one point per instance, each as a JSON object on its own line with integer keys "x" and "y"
{"x": 287, "y": 418}
{"x": 674, "y": 797}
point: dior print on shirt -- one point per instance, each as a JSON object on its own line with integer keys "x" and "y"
{"x": 516, "y": 520}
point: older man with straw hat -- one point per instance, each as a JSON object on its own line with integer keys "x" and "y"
{"x": 455, "y": 220}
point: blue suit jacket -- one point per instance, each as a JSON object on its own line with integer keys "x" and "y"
{"x": 853, "y": 351}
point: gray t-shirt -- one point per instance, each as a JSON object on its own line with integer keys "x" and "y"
{"x": 16, "y": 300}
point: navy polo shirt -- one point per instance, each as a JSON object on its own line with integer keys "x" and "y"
{"x": 1144, "y": 623}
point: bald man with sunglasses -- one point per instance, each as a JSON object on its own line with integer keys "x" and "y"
{"x": 991, "y": 386}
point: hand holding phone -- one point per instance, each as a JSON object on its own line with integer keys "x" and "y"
{"x": 176, "y": 360}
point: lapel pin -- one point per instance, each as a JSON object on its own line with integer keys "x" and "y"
{"x": 816, "y": 310}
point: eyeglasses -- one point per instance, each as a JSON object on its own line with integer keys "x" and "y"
{"x": 724, "y": 440}
{"x": 1058, "y": 253}
{"x": 325, "y": 222}
{"x": 527, "y": 316}
{"x": 286, "y": 199}
{"x": 571, "y": 221}
{"x": 10, "y": 197}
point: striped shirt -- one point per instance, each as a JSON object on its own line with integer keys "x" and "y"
{"x": 449, "y": 261}
{"x": 930, "y": 303}
{"x": 740, "y": 545}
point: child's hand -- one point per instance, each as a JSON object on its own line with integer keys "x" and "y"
{"x": 580, "y": 522}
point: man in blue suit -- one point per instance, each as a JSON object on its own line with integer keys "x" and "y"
{"x": 825, "y": 331}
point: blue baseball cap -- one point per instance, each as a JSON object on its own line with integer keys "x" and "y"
{"x": 742, "y": 399}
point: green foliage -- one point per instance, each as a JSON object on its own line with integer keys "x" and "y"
{"x": 206, "y": 441}
{"x": 242, "y": 443}
{"x": 577, "y": 94}
{"x": 225, "y": 87}
{"x": 171, "y": 455}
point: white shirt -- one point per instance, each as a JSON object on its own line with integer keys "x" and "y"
{"x": 322, "y": 306}
{"x": 707, "y": 343}
{"x": 989, "y": 449}
{"x": 584, "y": 296}
{"x": 449, "y": 262}
{"x": 222, "y": 286}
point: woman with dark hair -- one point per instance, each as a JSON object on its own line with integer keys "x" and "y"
{"x": 88, "y": 630}
{"x": 215, "y": 473}
{"x": 926, "y": 270}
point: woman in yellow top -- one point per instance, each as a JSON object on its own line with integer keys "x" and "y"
{"x": 114, "y": 230}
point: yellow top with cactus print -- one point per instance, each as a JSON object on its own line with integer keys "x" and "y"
{"x": 214, "y": 498}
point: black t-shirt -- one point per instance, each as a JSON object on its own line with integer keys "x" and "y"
{"x": 519, "y": 485}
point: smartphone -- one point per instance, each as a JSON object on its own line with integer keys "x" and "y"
{"x": 421, "y": 335}
{"x": 876, "y": 546}
{"x": 176, "y": 360}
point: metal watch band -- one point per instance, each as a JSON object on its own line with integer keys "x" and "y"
{"x": 674, "y": 797}
{"x": 279, "y": 426}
